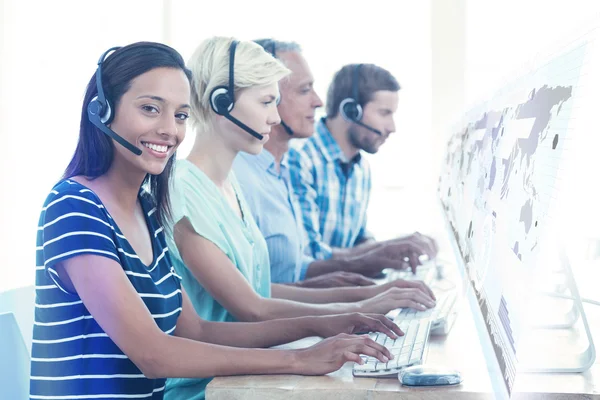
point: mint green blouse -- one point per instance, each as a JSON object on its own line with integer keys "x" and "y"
{"x": 196, "y": 197}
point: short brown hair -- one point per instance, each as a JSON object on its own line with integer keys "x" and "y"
{"x": 371, "y": 79}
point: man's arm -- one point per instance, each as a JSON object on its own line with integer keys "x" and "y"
{"x": 357, "y": 251}
{"x": 369, "y": 263}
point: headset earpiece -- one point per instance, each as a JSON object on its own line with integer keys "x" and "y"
{"x": 96, "y": 108}
{"x": 220, "y": 100}
{"x": 350, "y": 110}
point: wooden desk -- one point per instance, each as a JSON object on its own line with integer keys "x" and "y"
{"x": 460, "y": 350}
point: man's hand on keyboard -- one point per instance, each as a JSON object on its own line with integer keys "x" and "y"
{"x": 408, "y": 249}
{"x": 330, "y": 354}
{"x": 395, "y": 297}
{"x": 335, "y": 279}
{"x": 371, "y": 264}
{"x": 330, "y": 325}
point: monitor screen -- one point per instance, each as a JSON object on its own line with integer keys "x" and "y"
{"x": 497, "y": 188}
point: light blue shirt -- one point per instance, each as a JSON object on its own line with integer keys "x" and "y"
{"x": 276, "y": 212}
{"x": 195, "y": 197}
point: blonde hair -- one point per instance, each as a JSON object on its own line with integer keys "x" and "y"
{"x": 209, "y": 64}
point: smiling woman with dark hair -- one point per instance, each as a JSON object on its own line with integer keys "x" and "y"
{"x": 102, "y": 275}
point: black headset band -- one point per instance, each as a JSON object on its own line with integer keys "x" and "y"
{"x": 355, "y": 78}
{"x": 232, "y": 48}
{"x": 101, "y": 96}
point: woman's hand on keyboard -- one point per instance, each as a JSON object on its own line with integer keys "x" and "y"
{"x": 330, "y": 354}
{"x": 330, "y": 325}
{"x": 397, "y": 298}
{"x": 335, "y": 279}
{"x": 402, "y": 284}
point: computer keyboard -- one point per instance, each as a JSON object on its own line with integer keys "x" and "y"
{"x": 411, "y": 349}
{"x": 408, "y": 350}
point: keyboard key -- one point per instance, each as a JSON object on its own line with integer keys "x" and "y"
{"x": 403, "y": 360}
{"x": 415, "y": 359}
{"x": 370, "y": 366}
{"x": 381, "y": 339}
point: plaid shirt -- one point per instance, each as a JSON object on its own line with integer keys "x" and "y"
{"x": 333, "y": 192}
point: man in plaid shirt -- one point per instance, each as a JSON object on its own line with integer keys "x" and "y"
{"x": 331, "y": 178}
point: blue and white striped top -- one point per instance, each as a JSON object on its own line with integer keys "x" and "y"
{"x": 72, "y": 357}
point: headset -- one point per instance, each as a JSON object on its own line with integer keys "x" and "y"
{"x": 350, "y": 109}
{"x": 100, "y": 112}
{"x": 222, "y": 97}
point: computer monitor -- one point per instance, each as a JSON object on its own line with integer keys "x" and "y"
{"x": 498, "y": 189}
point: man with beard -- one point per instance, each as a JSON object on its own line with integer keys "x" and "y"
{"x": 331, "y": 178}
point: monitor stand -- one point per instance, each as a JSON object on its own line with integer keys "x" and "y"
{"x": 555, "y": 346}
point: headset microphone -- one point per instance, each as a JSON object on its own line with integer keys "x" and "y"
{"x": 222, "y": 97}
{"x": 368, "y": 127}
{"x": 350, "y": 109}
{"x": 100, "y": 112}
{"x": 244, "y": 126}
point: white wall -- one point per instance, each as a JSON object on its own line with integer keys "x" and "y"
{"x": 47, "y": 59}
{"x": 448, "y": 49}
{"x": 503, "y": 36}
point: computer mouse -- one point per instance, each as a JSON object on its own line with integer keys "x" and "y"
{"x": 423, "y": 375}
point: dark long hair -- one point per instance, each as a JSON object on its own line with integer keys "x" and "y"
{"x": 95, "y": 150}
